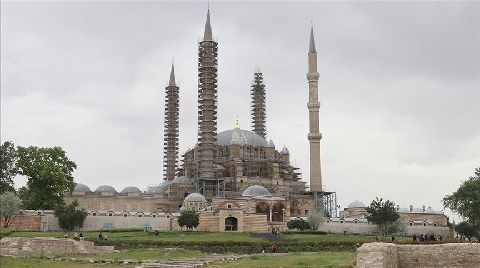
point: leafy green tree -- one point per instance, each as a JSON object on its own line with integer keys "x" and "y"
{"x": 9, "y": 206}
{"x": 8, "y": 167}
{"x": 383, "y": 214}
{"x": 49, "y": 173}
{"x": 299, "y": 224}
{"x": 69, "y": 217}
{"x": 467, "y": 230}
{"x": 315, "y": 218}
{"x": 466, "y": 200}
{"x": 188, "y": 218}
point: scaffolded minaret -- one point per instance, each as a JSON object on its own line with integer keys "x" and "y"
{"x": 170, "y": 150}
{"x": 258, "y": 105}
{"x": 314, "y": 136}
{"x": 207, "y": 184}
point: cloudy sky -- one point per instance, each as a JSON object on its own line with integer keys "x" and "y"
{"x": 399, "y": 87}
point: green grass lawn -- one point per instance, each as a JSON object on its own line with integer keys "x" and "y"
{"x": 163, "y": 235}
{"x": 215, "y": 236}
{"x": 164, "y": 254}
{"x": 313, "y": 259}
{"x": 9, "y": 262}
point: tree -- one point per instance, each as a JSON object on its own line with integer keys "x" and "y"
{"x": 9, "y": 206}
{"x": 299, "y": 224}
{"x": 8, "y": 167}
{"x": 466, "y": 200}
{"x": 315, "y": 218}
{"x": 49, "y": 173}
{"x": 188, "y": 218}
{"x": 69, "y": 217}
{"x": 467, "y": 230}
{"x": 382, "y": 214}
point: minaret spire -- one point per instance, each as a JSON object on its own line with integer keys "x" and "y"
{"x": 314, "y": 135}
{"x": 312, "y": 41}
{"x": 172, "y": 77}
{"x": 170, "y": 150}
{"x": 207, "y": 182}
{"x": 207, "y": 35}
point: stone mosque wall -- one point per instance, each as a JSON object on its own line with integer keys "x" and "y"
{"x": 385, "y": 255}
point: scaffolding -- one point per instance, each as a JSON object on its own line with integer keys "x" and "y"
{"x": 170, "y": 149}
{"x": 326, "y": 201}
{"x": 208, "y": 182}
{"x": 258, "y": 112}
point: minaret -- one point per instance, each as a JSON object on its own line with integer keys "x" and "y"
{"x": 207, "y": 110}
{"x": 170, "y": 150}
{"x": 313, "y": 105}
{"x": 258, "y": 105}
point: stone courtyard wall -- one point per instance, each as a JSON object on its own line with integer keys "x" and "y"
{"x": 386, "y": 255}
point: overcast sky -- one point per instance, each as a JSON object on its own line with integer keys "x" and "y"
{"x": 399, "y": 87}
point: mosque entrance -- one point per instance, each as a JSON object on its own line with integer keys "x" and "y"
{"x": 231, "y": 224}
{"x": 278, "y": 212}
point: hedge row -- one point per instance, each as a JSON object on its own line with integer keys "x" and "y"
{"x": 241, "y": 247}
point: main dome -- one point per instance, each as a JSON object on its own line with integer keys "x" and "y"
{"x": 240, "y": 137}
{"x": 256, "y": 190}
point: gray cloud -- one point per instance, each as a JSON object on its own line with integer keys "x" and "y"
{"x": 399, "y": 86}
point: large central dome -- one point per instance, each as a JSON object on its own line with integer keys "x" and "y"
{"x": 240, "y": 137}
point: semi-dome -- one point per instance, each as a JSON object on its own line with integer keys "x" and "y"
{"x": 271, "y": 144}
{"x": 256, "y": 190}
{"x": 240, "y": 137}
{"x": 195, "y": 197}
{"x": 181, "y": 180}
{"x": 131, "y": 189}
{"x": 105, "y": 188}
{"x": 165, "y": 184}
{"x": 357, "y": 204}
{"x": 81, "y": 188}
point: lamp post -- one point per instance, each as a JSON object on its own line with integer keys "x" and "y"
{"x": 283, "y": 211}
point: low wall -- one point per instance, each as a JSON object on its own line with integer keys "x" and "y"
{"x": 24, "y": 223}
{"x": 366, "y": 228}
{"x": 92, "y": 223}
{"x": 385, "y": 255}
{"x": 28, "y": 246}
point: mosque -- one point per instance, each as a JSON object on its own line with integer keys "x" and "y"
{"x": 236, "y": 179}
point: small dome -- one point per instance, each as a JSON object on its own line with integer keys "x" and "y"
{"x": 82, "y": 188}
{"x": 131, "y": 189}
{"x": 357, "y": 204}
{"x": 256, "y": 190}
{"x": 181, "y": 180}
{"x": 155, "y": 190}
{"x": 165, "y": 184}
{"x": 105, "y": 188}
{"x": 404, "y": 210}
{"x": 195, "y": 197}
{"x": 285, "y": 150}
{"x": 240, "y": 137}
{"x": 271, "y": 144}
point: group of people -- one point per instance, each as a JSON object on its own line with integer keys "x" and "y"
{"x": 102, "y": 236}
{"x": 76, "y": 236}
{"x": 426, "y": 237}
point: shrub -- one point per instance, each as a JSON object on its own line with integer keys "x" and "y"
{"x": 4, "y": 233}
{"x": 298, "y": 224}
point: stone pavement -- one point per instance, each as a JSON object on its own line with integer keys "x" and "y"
{"x": 196, "y": 262}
